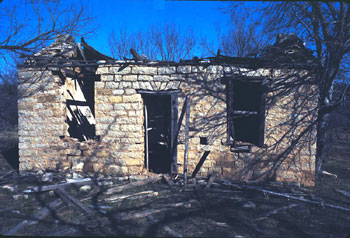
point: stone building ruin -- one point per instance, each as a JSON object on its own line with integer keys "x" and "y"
{"x": 249, "y": 118}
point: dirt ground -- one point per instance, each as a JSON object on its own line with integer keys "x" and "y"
{"x": 224, "y": 210}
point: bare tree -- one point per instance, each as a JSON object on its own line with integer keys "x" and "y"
{"x": 242, "y": 39}
{"x": 28, "y": 25}
{"x": 325, "y": 26}
{"x": 8, "y": 96}
{"x": 166, "y": 42}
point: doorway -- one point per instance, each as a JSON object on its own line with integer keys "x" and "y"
{"x": 160, "y": 115}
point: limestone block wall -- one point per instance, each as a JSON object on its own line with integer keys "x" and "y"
{"x": 290, "y": 131}
{"x": 120, "y": 128}
{"x": 119, "y": 110}
{"x": 41, "y": 109}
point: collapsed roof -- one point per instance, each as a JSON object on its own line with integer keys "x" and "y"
{"x": 288, "y": 52}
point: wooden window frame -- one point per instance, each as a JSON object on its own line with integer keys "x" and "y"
{"x": 260, "y": 113}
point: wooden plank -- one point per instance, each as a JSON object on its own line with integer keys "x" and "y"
{"x": 167, "y": 92}
{"x": 229, "y": 106}
{"x": 41, "y": 214}
{"x": 7, "y": 174}
{"x": 66, "y": 232}
{"x": 261, "y": 114}
{"x": 70, "y": 102}
{"x": 143, "y": 194}
{"x": 188, "y": 104}
{"x": 173, "y": 129}
{"x": 91, "y": 53}
{"x": 145, "y": 213}
{"x": 168, "y": 180}
{"x": 178, "y": 128}
{"x": 240, "y": 112}
{"x": 200, "y": 163}
{"x": 133, "y": 184}
{"x": 69, "y": 199}
{"x": 138, "y": 57}
{"x": 211, "y": 180}
{"x": 345, "y": 193}
{"x": 56, "y": 186}
{"x": 146, "y": 138}
{"x": 277, "y": 210}
{"x": 165, "y": 227}
{"x": 296, "y": 198}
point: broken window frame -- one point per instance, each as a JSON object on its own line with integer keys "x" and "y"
{"x": 232, "y": 112}
{"x": 85, "y": 76}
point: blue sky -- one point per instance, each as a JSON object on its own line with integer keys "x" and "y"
{"x": 201, "y": 16}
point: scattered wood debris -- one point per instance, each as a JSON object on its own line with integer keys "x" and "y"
{"x": 276, "y": 211}
{"x": 297, "y": 198}
{"x": 39, "y": 215}
{"x": 69, "y": 199}
{"x": 106, "y": 202}
{"x": 57, "y": 186}
{"x": 345, "y": 193}
{"x": 133, "y": 184}
{"x": 145, "y": 213}
{"x": 143, "y": 194}
{"x": 325, "y": 173}
{"x": 165, "y": 227}
{"x": 168, "y": 180}
{"x": 7, "y": 174}
{"x": 211, "y": 180}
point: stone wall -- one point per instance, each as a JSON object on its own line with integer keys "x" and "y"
{"x": 119, "y": 123}
{"x": 41, "y": 120}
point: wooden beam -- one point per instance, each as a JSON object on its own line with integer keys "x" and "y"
{"x": 41, "y": 214}
{"x": 56, "y": 186}
{"x": 168, "y": 180}
{"x": 133, "y": 184}
{"x": 139, "y": 195}
{"x": 200, "y": 163}
{"x": 188, "y": 104}
{"x": 146, "y": 138}
{"x": 69, "y": 199}
{"x": 211, "y": 180}
{"x": 239, "y": 112}
{"x": 165, "y": 92}
{"x": 296, "y": 198}
{"x": 165, "y": 227}
{"x": 141, "y": 214}
{"x": 173, "y": 128}
{"x": 178, "y": 128}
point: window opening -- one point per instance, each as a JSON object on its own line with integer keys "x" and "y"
{"x": 80, "y": 108}
{"x": 246, "y": 111}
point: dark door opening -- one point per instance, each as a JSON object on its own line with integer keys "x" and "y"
{"x": 159, "y": 126}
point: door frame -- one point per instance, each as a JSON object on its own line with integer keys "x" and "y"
{"x": 173, "y": 123}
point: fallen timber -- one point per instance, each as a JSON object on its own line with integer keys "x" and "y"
{"x": 87, "y": 181}
{"x": 39, "y": 215}
{"x": 210, "y": 190}
{"x": 69, "y": 199}
{"x": 296, "y": 198}
{"x": 133, "y": 184}
{"x": 165, "y": 227}
{"x": 45, "y": 188}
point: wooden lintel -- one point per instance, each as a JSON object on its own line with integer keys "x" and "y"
{"x": 165, "y": 92}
